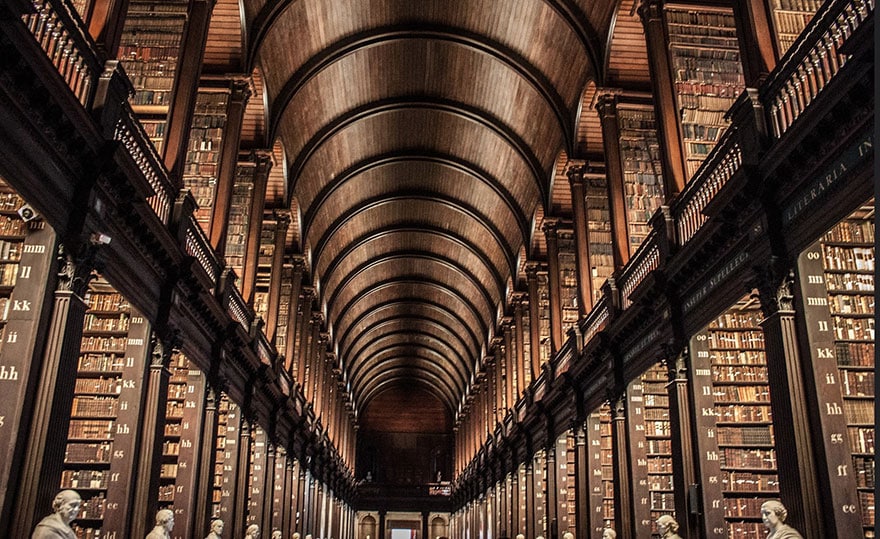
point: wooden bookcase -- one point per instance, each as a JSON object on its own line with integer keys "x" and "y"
{"x": 539, "y": 470}
{"x": 284, "y": 308}
{"x": 567, "y": 278}
{"x": 642, "y": 176}
{"x": 707, "y": 72}
{"x": 221, "y": 462}
{"x": 837, "y": 280}
{"x": 658, "y": 444}
{"x": 599, "y": 218}
{"x": 174, "y": 412}
{"x": 13, "y": 230}
{"x": 544, "y": 316}
{"x": 600, "y": 471}
{"x": 257, "y": 494}
{"x": 149, "y": 50}
{"x": 264, "y": 268}
{"x": 790, "y": 17}
{"x": 104, "y": 415}
{"x": 240, "y": 217}
{"x": 203, "y": 153}
{"x": 734, "y": 421}
{"x": 567, "y": 483}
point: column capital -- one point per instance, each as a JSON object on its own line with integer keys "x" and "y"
{"x": 550, "y": 226}
{"x": 532, "y": 269}
{"x": 649, "y": 10}
{"x": 282, "y": 217}
{"x": 241, "y": 90}
{"x": 775, "y": 287}
{"x": 575, "y": 172}
{"x": 605, "y": 101}
{"x": 518, "y": 298}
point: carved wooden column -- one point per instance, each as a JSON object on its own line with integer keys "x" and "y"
{"x": 606, "y": 106}
{"x": 47, "y": 436}
{"x": 518, "y": 300}
{"x": 551, "y": 491}
{"x": 581, "y": 484}
{"x": 180, "y": 113}
{"x": 145, "y": 488}
{"x": 502, "y": 507}
{"x": 623, "y": 501}
{"x": 293, "y": 310}
{"x": 282, "y": 222}
{"x": 515, "y": 501}
{"x": 551, "y": 229}
{"x": 534, "y": 319}
{"x": 243, "y": 473}
{"x": 238, "y": 98}
{"x": 685, "y": 474}
{"x": 252, "y": 243}
{"x": 757, "y": 48}
{"x": 792, "y": 428}
{"x": 205, "y": 470}
{"x": 530, "y": 499}
{"x": 665, "y": 102}
{"x": 269, "y": 492}
{"x": 581, "y": 239}
{"x": 509, "y": 363}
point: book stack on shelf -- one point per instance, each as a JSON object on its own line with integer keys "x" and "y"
{"x": 658, "y": 442}
{"x": 102, "y": 369}
{"x": 607, "y": 464}
{"x": 848, "y": 264}
{"x": 149, "y": 50}
{"x": 539, "y": 471}
{"x": 743, "y": 421}
{"x": 790, "y": 17}
{"x": 203, "y": 153}
{"x": 284, "y": 308}
{"x": 599, "y": 218}
{"x": 220, "y": 460}
{"x": 568, "y": 278}
{"x": 642, "y": 177}
{"x": 12, "y": 235}
{"x": 600, "y": 470}
{"x": 527, "y": 342}
{"x": 566, "y": 448}
{"x": 264, "y": 269}
{"x": 174, "y": 410}
{"x": 707, "y": 71}
{"x": 544, "y": 315}
{"x": 239, "y": 217}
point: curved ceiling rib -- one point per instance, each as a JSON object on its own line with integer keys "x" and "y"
{"x": 422, "y": 137}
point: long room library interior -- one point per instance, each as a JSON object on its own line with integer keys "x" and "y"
{"x": 446, "y": 269}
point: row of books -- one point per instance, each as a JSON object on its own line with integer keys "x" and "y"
{"x": 852, "y": 304}
{"x": 859, "y": 411}
{"x": 10, "y": 251}
{"x": 851, "y": 232}
{"x": 106, "y": 301}
{"x": 861, "y": 439}
{"x": 742, "y": 413}
{"x": 853, "y": 328}
{"x": 739, "y": 373}
{"x": 90, "y": 405}
{"x": 90, "y": 429}
{"x": 854, "y": 354}
{"x": 88, "y": 452}
{"x": 103, "y": 344}
{"x": 756, "y": 435}
{"x": 107, "y": 386}
{"x": 748, "y": 458}
{"x": 846, "y": 282}
{"x": 858, "y": 383}
{"x": 743, "y": 507}
{"x": 753, "y": 393}
{"x": 749, "y": 482}
{"x": 87, "y": 479}
{"x": 104, "y": 323}
{"x": 8, "y": 274}
{"x": 100, "y": 362}
{"x": 736, "y": 339}
{"x": 848, "y": 258}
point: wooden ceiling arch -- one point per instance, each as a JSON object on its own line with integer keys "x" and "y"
{"x": 422, "y": 141}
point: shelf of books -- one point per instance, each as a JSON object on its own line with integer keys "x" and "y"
{"x": 566, "y": 483}
{"x": 837, "y": 278}
{"x": 642, "y": 177}
{"x": 544, "y": 315}
{"x": 239, "y": 217}
{"x": 539, "y": 471}
{"x": 734, "y": 422}
{"x": 12, "y": 238}
{"x": 599, "y": 218}
{"x": 149, "y": 50}
{"x": 264, "y": 269}
{"x": 790, "y": 17}
{"x": 658, "y": 444}
{"x": 706, "y": 69}
{"x": 567, "y": 278}
{"x": 600, "y": 470}
{"x": 174, "y": 411}
{"x": 103, "y": 422}
{"x": 257, "y": 482}
{"x": 203, "y": 152}
{"x": 284, "y": 307}
{"x": 220, "y": 461}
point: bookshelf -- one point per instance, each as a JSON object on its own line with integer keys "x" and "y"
{"x": 600, "y": 470}
{"x": 203, "y": 152}
{"x": 95, "y": 439}
{"x": 790, "y": 17}
{"x": 567, "y": 279}
{"x": 642, "y": 177}
{"x": 707, "y": 73}
{"x": 658, "y": 443}
{"x": 544, "y": 315}
{"x": 284, "y": 308}
{"x": 538, "y": 501}
{"x": 171, "y": 443}
{"x": 149, "y": 50}
{"x": 567, "y": 503}
{"x": 599, "y": 218}
{"x": 239, "y": 217}
{"x": 264, "y": 268}
{"x": 734, "y": 422}
{"x": 12, "y": 238}
{"x": 837, "y": 279}
{"x": 221, "y": 462}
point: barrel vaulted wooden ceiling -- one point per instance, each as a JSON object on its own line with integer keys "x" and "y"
{"x": 419, "y": 143}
